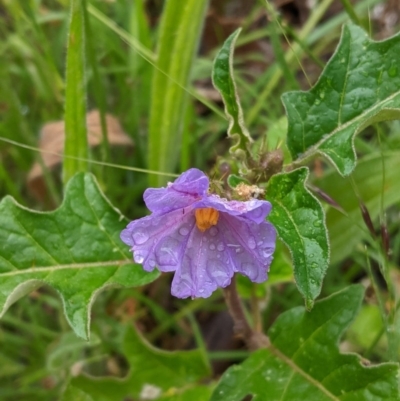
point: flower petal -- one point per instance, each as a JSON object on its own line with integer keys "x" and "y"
{"x": 159, "y": 240}
{"x": 206, "y": 265}
{"x": 254, "y": 210}
{"x": 193, "y": 182}
{"x": 186, "y": 189}
{"x": 250, "y": 245}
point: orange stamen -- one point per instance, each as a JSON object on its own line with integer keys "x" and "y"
{"x": 205, "y": 218}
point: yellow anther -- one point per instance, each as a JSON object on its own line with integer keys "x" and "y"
{"x": 205, "y": 218}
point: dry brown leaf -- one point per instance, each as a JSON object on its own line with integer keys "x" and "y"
{"x": 51, "y": 144}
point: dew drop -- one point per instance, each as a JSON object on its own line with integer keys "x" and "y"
{"x": 219, "y": 272}
{"x": 184, "y": 231}
{"x": 139, "y": 237}
{"x": 266, "y": 252}
{"x": 167, "y": 252}
{"x": 152, "y": 263}
{"x": 138, "y": 258}
{"x": 213, "y": 231}
{"x": 250, "y": 270}
{"x": 212, "y": 247}
{"x": 238, "y": 249}
{"x": 220, "y": 247}
{"x": 251, "y": 242}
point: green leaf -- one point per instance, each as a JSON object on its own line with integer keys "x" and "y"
{"x": 223, "y": 80}
{"x": 75, "y": 394}
{"x": 235, "y": 180}
{"x": 152, "y": 371}
{"x": 75, "y": 249}
{"x": 367, "y": 328}
{"x": 178, "y": 39}
{"x": 345, "y": 232}
{"x": 303, "y": 361}
{"x": 198, "y": 393}
{"x": 68, "y": 349}
{"x": 281, "y": 270}
{"x": 75, "y": 144}
{"x": 300, "y": 221}
{"x": 359, "y": 86}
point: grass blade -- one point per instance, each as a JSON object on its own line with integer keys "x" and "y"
{"x": 178, "y": 39}
{"x": 75, "y": 95}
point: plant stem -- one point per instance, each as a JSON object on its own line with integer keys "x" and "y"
{"x": 242, "y": 328}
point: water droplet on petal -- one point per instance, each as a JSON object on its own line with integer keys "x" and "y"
{"x": 219, "y": 272}
{"x": 251, "y": 242}
{"x": 220, "y": 247}
{"x": 238, "y": 249}
{"x": 138, "y": 257}
{"x": 184, "y": 231}
{"x": 250, "y": 270}
{"x": 152, "y": 263}
{"x": 139, "y": 237}
{"x": 266, "y": 252}
{"x": 212, "y": 247}
{"x": 167, "y": 252}
{"x": 213, "y": 231}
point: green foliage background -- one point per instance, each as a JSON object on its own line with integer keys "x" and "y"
{"x": 73, "y": 334}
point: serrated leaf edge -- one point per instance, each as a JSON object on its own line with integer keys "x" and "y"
{"x": 314, "y": 150}
{"x": 32, "y": 284}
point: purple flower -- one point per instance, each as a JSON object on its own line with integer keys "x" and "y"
{"x": 203, "y": 238}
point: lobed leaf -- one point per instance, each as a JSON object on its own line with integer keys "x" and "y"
{"x": 223, "y": 80}
{"x": 152, "y": 371}
{"x": 359, "y": 86}
{"x": 75, "y": 249}
{"x": 300, "y": 221}
{"x": 303, "y": 361}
